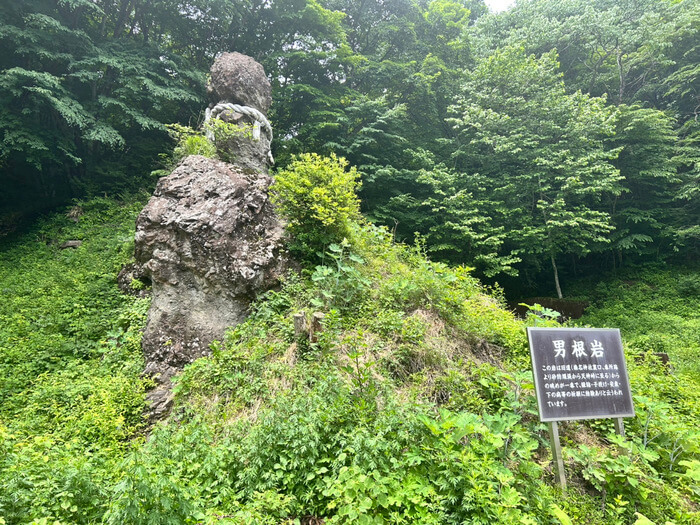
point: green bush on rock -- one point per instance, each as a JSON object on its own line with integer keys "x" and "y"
{"x": 317, "y": 196}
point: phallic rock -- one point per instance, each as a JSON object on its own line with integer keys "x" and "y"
{"x": 71, "y": 244}
{"x": 209, "y": 241}
{"x": 241, "y": 80}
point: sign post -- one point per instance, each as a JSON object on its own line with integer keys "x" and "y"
{"x": 619, "y": 427}
{"x": 557, "y": 457}
{"x": 580, "y": 373}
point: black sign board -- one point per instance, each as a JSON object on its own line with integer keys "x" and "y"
{"x": 580, "y": 373}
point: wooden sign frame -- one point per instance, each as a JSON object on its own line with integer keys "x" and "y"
{"x": 579, "y": 373}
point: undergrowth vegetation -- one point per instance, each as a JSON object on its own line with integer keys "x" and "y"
{"x": 413, "y": 403}
{"x": 657, "y": 310}
{"x": 70, "y": 359}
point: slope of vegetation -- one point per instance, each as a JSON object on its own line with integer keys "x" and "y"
{"x": 71, "y": 397}
{"x": 414, "y": 404}
{"x": 657, "y": 310}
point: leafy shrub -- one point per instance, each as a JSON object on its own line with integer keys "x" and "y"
{"x": 193, "y": 142}
{"x": 317, "y": 196}
{"x": 155, "y": 486}
{"x": 340, "y": 285}
{"x": 628, "y": 482}
{"x": 475, "y": 463}
{"x": 188, "y": 141}
{"x": 45, "y": 479}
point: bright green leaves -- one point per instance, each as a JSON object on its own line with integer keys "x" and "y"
{"x": 317, "y": 196}
{"x": 340, "y": 284}
{"x": 532, "y": 166}
{"x": 377, "y": 497}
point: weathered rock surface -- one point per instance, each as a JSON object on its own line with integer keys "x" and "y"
{"x": 249, "y": 154}
{"x": 241, "y": 80}
{"x": 128, "y": 275}
{"x": 209, "y": 241}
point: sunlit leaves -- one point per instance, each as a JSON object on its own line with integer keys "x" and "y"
{"x": 533, "y": 159}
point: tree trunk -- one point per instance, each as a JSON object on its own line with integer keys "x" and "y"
{"x": 124, "y": 12}
{"x": 556, "y": 276}
{"x": 622, "y": 76}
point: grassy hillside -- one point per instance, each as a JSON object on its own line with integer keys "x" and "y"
{"x": 71, "y": 396}
{"x": 414, "y": 404}
{"x": 657, "y": 310}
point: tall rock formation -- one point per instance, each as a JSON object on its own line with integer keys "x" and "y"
{"x": 209, "y": 240}
{"x": 241, "y": 94}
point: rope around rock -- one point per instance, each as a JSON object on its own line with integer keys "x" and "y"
{"x": 259, "y": 118}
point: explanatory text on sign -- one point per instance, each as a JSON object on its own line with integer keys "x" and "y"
{"x": 579, "y": 373}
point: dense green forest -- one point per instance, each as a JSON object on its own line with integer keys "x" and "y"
{"x": 552, "y": 149}
{"x": 557, "y": 136}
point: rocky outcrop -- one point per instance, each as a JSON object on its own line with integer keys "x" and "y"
{"x": 241, "y": 80}
{"x": 209, "y": 241}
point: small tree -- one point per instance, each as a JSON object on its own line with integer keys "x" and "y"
{"x": 534, "y": 158}
{"x": 317, "y": 197}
